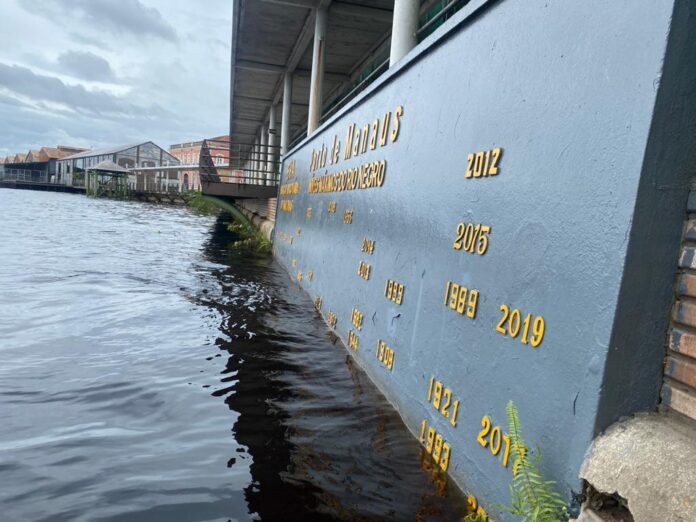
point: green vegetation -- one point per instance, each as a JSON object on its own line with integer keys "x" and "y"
{"x": 200, "y": 204}
{"x": 249, "y": 237}
{"x": 533, "y": 498}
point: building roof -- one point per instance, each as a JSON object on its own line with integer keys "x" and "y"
{"x": 273, "y": 38}
{"x": 71, "y": 150}
{"x": 20, "y": 158}
{"x": 199, "y": 143}
{"x": 109, "y": 166}
{"x": 102, "y": 152}
{"x": 33, "y": 155}
{"x": 55, "y": 152}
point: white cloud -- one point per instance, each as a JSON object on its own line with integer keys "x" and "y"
{"x": 98, "y": 76}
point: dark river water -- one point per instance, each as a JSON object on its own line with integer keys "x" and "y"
{"x": 151, "y": 371}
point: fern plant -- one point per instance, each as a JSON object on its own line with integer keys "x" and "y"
{"x": 533, "y": 499}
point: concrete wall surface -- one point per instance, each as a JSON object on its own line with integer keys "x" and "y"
{"x": 581, "y": 113}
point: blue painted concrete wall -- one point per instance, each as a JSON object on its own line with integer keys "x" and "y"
{"x": 584, "y": 217}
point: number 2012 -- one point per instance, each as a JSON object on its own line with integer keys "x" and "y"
{"x": 483, "y": 164}
{"x": 511, "y": 323}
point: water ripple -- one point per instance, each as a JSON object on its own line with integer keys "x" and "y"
{"x": 150, "y": 372}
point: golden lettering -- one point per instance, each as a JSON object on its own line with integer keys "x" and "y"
{"x": 375, "y": 132}
{"x": 368, "y": 246}
{"x": 363, "y": 141}
{"x": 349, "y": 142}
{"x": 397, "y": 119}
{"x": 385, "y": 129}
{"x": 350, "y": 179}
{"x": 335, "y": 148}
{"x": 492, "y": 437}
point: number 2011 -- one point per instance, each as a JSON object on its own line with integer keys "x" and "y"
{"x": 483, "y": 164}
{"x": 493, "y": 439}
{"x": 511, "y": 323}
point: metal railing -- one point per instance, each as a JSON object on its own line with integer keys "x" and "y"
{"x": 250, "y": 164}
{"x": 24, "y": 175}
{"x": 432, "y": 16}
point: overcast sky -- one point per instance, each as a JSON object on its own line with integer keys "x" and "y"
{"x": 97, "y": 73}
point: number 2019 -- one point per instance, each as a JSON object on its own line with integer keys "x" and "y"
{"x": 511, "y": 323}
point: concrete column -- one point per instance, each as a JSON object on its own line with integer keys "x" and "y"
{"x": 272, "y": 144}
{"x": 317, "y": 83}
{"x": 287, "y": 115}
{"x": 263, "y": 155}
{"x": 404, "y": 27}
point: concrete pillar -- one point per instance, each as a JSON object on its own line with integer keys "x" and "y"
{"x": 404, "y": 27}
{"x": 317, "y": 81}
{"x": 263, "y": 155}
{"x": 287, "y": 115}
{"x": 272, "y": 144}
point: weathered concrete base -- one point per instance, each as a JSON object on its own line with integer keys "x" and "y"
{"x": 649, "y": 460}
{"x": 264, "y": 225}
{"x": 588, "y": 515}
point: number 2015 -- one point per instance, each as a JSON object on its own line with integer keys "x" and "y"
{"x": 511, "y": 323}
{"x": 493, "y": 439}
{"x": 472, "y": 238}
{"x": 483, "y": 164}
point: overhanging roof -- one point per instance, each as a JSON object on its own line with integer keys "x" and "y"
{"x": 272, "y": 37}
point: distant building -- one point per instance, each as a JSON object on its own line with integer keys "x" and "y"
{"x": 37, "y": 165}
{"x": 71, "y": 169}
{"x": 190, "y": 154}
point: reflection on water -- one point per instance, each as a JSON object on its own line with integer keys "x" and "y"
{"x": 150, "y": 371}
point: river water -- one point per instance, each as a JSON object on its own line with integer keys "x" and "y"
{"x": 151, "y": 371}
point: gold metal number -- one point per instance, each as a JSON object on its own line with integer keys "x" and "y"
{"x": 486, "y": 423}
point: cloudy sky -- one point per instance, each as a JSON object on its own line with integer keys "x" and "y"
{"x": 97, "y": 73}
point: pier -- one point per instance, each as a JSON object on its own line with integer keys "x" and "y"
{"x": 443, "y": 185}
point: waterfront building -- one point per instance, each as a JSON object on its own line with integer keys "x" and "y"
{"x": 38, "y": 166}
{"x": 487, "y": 202}
{"x": 190, "y": 153}
{"x": 71, "y": 169}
